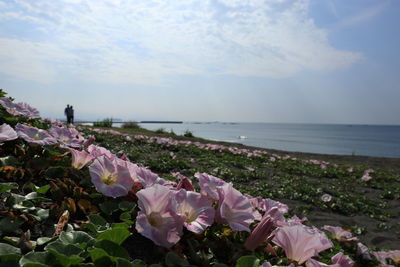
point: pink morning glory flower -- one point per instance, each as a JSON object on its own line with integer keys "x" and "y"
{"x": 89, "y": 141}
{"x": 339, "y": 233}
{"x": 300, "y": 242}
{"x": 7, "y": 133}
{"x": 208, "y": 185}
{"x": 339, "y": 260}
{"x": 157, "y": 218}
{"x": 110, "y": 178}
{"x": 97, "y": 151}
{"x": 196, "y": 209}
{"x": 234, "y": 208}
{"x": 148, "y": 178}
{"x": 80, "y": 158}
{"x": 68, "y": 137}
{"x": 29, "y": 111}
{"x": 267, "y": 204}
{"x": 381, "y": 256}
{"x": 262, "y": 231}
{"x": 34, "y": 135}
{"x": 19, "y": 109}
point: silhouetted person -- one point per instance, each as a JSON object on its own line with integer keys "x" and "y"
{"x": 67, "y": 113}
{"x": 71, "y": 114}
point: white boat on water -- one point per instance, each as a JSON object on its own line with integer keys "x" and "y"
{"x": 242, "y": 137}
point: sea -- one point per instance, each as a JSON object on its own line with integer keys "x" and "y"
{"x": 338, "y": 139}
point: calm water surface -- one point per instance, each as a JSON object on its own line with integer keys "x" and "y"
{"x": 368, "y": 140}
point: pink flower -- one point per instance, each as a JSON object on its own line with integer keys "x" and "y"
{"x": 80, "y": 158}
{"x": 300, "y": 242}
{"x": 292, "y": 221}
{"x": 19, "y": 109}
{"x": 262, "y": 231}
{"x": 157, "y": 219}
{"x": 89, "y": 141}
{"x": 339, "y": 260}
{"x": 9, "y": 106}
{"x": 68, "y": 137}
{"x": 97, "y": 151}
{"x": 34, "y": 135}
{"x": 339, "y": 233}
{"x": 110, "y": 178}
{"x": 196, "y": 209}
{"x": 148, "y": 178}
{"x": 342, "y": 260}
{"x": 234, "y": 208}
{"x": 133, "y": 168}
{"x": 208, "y": 184}
{"x": 29, "y": 111}
{"x": 366, "y": 177}
{"x": 254, "y": 201}
{"x": 381, "y": 256}
{"x": 7, "y": 133}
{"x": 267, "y": 204}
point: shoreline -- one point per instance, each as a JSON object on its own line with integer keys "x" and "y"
{"x": 385, "y": 163}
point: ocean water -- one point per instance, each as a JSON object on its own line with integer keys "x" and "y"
{"x": 368, "y": 140}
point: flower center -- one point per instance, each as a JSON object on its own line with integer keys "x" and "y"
{"x": 109, "y": 179}
{"x": 155, "y": 219}
{"x": 190, "y": 217}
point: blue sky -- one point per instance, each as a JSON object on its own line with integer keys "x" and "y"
{"x": 315, "y": 61}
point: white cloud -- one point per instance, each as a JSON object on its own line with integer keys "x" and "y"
{"x": 362, "y": 16}
{"x": 142, "y": 42}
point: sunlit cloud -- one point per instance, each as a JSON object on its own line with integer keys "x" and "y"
{"x": 143, "y": 42}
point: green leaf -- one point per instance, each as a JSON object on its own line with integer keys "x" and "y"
{"x": 172, "y": 260}
{"x": 36, "y": 197}
{"x": 9, "y": 253}
{"x": 43, "y": 189}
{"x": 126, "y": 217}
{"x": 66, "y": 254}
{"x": 100, "y": 257}
{"x": 120, "y": 225}
{"x": 109, "y": 207}
{"x": 116, "y": 235}
{"x": 127, "y": 206}
{"x": 76, "y": 237}
{"x": 112, "y": 249}
{"x": 97, "y": 220}
{"x": 62, "y": 248}
{"x": 36, "y": 259}
{"x": 248, "y": 261}
{"x": 8, "y": 224}
{"x": 41, "y": 214}
{"x": 4, "y": 187}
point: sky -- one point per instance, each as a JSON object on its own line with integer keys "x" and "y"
{"x": 285, "y": 61}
